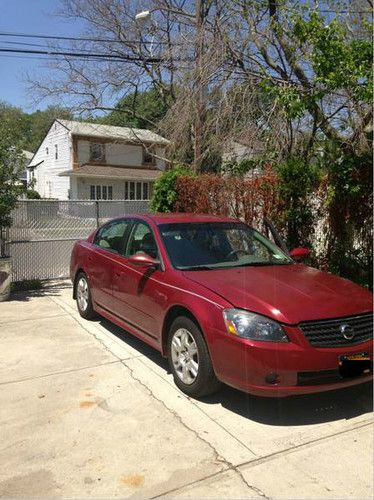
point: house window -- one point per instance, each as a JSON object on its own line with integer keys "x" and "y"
{"x": 145, "y": 191}
{"x": 137, "y": 190}
{"x": 56, "y": 152}
{"x": 97, "y": 152}
{"x": 148, "y": 156}
{"x": 100, "y": 192}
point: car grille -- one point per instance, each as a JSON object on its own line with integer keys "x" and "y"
{"x": 327, "y": 333}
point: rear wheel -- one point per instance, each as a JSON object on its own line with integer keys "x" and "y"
{"x": 189, "y": 359}
{"x": 83, "y": 297}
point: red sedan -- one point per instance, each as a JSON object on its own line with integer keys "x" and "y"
{"x": 224, "y": 304}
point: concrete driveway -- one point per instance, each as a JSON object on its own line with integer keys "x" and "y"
{"x": 87, "y": 411}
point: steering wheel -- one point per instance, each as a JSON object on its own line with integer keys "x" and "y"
{"x": 236, "y": 252}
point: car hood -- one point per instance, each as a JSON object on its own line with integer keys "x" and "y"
{"x": 287, "y": 293}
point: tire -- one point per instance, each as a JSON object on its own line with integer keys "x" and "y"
{"x": 189, "y": 359}
{"x": 83, "y": 297}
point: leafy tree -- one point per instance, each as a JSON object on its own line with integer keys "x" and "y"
{"x": 17, "y": 121}
{"x": 12, "y": 163}
{"x": 39, "y": 123}
{"x": 138, "y": 110}
{"x": 29, "y": 129}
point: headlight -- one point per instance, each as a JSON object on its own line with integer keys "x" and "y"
{"x": 253, "y": 326}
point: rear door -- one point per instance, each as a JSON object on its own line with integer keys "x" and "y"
{"x": 110, "y": 241}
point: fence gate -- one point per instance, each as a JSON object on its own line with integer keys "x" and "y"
{"x": 43, "y": 232}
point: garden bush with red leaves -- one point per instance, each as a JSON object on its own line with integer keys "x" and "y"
{"x": 249, "y": 199}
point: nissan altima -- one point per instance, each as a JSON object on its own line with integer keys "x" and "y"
{"x": 225, "y": 304}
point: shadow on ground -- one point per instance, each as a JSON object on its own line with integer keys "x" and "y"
{"x": 52, "y": 289}
{"x": 297, "y": 410}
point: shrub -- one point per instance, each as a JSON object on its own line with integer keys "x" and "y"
{"x": 249, "y": 199}
{"x": 298, "y": 180}
{"x": 164, "y": 192}
{"x": 31, "y": 194}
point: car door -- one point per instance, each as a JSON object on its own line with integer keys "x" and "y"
{"x": 136, "y": 291}
{"x": 109, "y": 242}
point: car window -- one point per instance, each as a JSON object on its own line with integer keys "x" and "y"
{"x": 246, "y": 242}
{"x": 112, "y": 236}
{"x": 218, "y": 245}
{"x": 142, "y": 240}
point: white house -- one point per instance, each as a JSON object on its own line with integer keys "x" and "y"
{"x": 80, "y": 161}
{"x": 24, "y": 176}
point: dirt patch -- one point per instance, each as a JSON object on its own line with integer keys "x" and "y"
{"x": 39, "y": 483}
{"x": 86, "y": 404}
{"x": 133, "y": 480}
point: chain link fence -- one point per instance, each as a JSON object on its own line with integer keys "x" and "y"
{"x": 43, "y": 232}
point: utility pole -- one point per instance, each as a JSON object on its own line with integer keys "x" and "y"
{"x": 199, "y": 87}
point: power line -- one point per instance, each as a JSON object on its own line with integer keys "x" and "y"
{"x": 84, "y": 39}
{"x": 124, "y": 57}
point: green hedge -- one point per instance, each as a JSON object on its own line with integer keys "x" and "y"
{"x": 164, "y": 191}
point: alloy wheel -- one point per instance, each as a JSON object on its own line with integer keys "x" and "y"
{"x": 184, "y": 355}
{"x": 82, "y": 293}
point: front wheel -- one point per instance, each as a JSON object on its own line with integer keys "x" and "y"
{"x": 189, "y": 359}
{"x": 83, "y": 295}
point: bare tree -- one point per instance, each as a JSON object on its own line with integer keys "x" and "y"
{"x": 209, "y": 60}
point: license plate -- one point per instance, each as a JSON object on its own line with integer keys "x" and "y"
{"x": 358, "y": 356}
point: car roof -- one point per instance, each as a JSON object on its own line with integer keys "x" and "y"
{"x": 173, "y": 218}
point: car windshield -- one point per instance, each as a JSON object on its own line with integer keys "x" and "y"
{"x": 217, "y": 245}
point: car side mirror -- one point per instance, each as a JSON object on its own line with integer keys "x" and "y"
{"x": 299, "y": 254}
{"x": 143, "y": 259}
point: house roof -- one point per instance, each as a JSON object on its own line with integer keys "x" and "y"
{"x": 109, "y": 131}
{"x": 111, "y": 172}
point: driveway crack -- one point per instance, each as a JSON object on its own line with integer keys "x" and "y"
{"x": 217, "y": 457}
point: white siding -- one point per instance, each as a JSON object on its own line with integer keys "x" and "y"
{"x": 48, "y": 183}
{"x": 115, "y": 154}
{"x": 83, "y": 152}
{"x": 159, "y": 162}
{"x": 128, "y": 155}
{"x": 124, "y": 154}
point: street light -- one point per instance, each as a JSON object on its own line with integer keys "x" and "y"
{"x": 146, "y": 15}
{"x": 143, "y": 16}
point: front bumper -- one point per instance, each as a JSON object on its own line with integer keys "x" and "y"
{"x": 283, "y": 369}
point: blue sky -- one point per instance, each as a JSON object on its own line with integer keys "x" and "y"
{"x": 27, "y": 16}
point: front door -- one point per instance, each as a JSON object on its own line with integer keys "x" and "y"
{"x": 109, "y": 242}
{"x": 136, "y": 289}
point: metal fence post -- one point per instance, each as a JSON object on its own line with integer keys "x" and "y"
{"x": 97, "y": 213}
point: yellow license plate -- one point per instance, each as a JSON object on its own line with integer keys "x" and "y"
{"x": 360, "y": 356}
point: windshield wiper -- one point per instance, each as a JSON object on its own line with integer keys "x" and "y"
{"x": 196, "y": 268}
{"x": 262, "y": 264}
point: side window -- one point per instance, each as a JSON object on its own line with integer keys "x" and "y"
{"x": 113, "y": 236}
{"x": 142, "y": 240}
